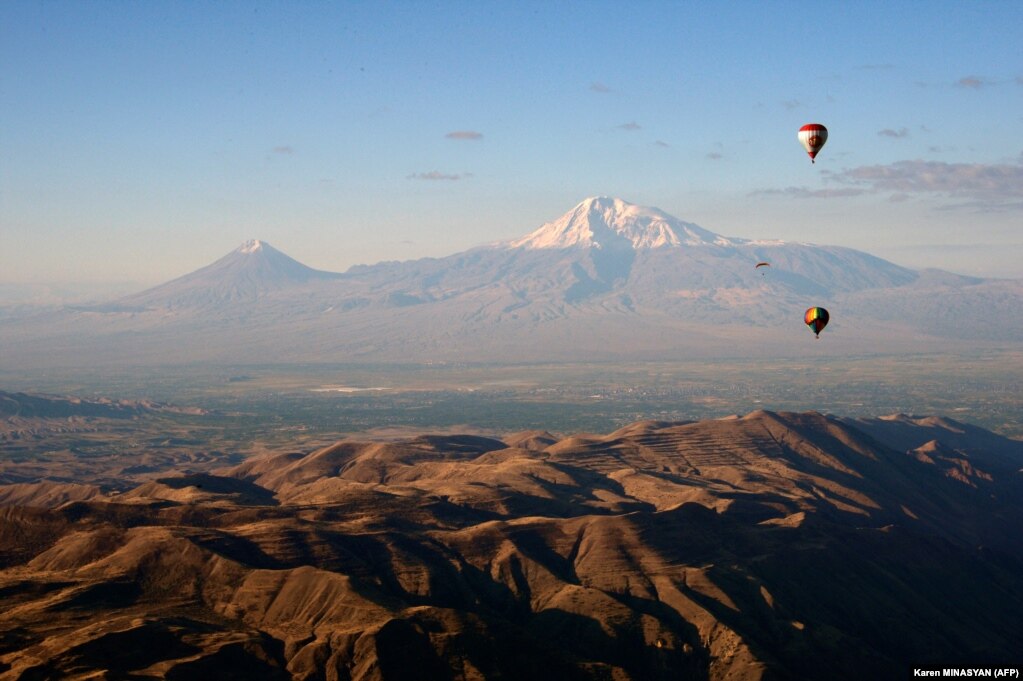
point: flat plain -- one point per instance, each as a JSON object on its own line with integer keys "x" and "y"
{"x": 256, "y": 401}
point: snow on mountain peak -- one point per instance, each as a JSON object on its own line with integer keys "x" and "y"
{"x": 602, "y": 221}
{"x": 251, "y": 246}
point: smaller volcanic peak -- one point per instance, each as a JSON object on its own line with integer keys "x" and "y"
{"x": 607, "y": 222}
{"x": 252, "y": 246}
{"x": 262, "y": 265}
{"x": 248, "y": 272}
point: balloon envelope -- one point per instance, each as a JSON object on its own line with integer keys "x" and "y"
{"x": 813, "y": 136}
{"x": 816, "y": 318}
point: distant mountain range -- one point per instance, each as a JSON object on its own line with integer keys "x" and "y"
{"x": 608, "y": 280}
{"x": 33, "y": 406}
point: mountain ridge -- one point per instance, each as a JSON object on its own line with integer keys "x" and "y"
{"x": 595, "y": 245}
{"x": 603, "y": 221}
{"x": 772, "y": 545}
{"x": 606, "y": 281}
{"x": 252, "y": 270}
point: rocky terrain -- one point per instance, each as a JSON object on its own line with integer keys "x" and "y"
{"x": 769, "y": 546}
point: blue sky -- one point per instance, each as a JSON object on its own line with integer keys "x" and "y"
{"x": 142, "y": 140}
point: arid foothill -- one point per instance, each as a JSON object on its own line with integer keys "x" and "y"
{"x": 772, "y": 545}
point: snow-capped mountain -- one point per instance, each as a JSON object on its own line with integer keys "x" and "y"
{"x": 605, "y": 222}
{"x": 607, "y": 280}
{"x": 252, "y": 270}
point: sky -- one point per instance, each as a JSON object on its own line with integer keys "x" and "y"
{"x": 142, "y": 140}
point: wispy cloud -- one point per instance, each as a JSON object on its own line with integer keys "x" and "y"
{"x": 990, "y": 186}
{"x": 971, "y": 82}
{"x": 943, "y": 248}
{"x": 287, "y": 151}
{"x": 888, "y": 132}
{"x": 599, "y": 87}
{"x": 438, "y": 175}
{"x": 984, "y": 206}
{"x": 714, "y": 156}
{"x": 464, "y": 135}
{"x": 807, "y": 193}
{"x": 661, "y": 143}
{"x": 877, "y": 67}
{"x": 633, "y": 125}
{"x": 791, "y": 104}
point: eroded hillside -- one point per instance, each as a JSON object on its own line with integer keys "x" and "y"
{"x": 777, "y": 545}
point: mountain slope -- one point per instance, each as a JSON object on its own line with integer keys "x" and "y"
{"x": 607, "y": 281}
{"x": 776, "y": 545}
{"x": 608, "y": 246}
{"x": 606, "y": 222}
{"x": 252, "y": 270}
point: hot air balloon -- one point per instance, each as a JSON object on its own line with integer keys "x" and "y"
{"x": 813, "y": 136}
{"x": 816, "y": 318}
{"x": 762, "y": 264}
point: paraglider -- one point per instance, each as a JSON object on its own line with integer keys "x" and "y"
{"x": 813, "y": 136}
{"x": 762, "y": 264}
{"x": 816, "y": 318}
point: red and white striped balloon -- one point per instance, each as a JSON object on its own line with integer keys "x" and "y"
{"x": 813, "y": 136}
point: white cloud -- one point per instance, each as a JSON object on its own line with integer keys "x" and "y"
{"x": 438, "y": 175}
{"x": 979, "y": 185}
{"x": 807, "y": 193}
{"x": 464, "y": 135}
{"x": 971, "y": 82}
{"x": 888, "y": 132}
